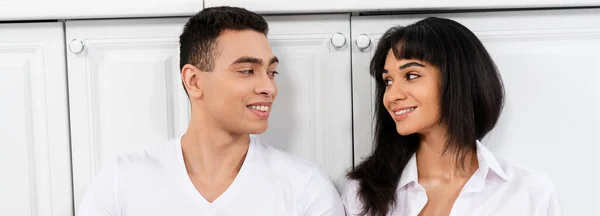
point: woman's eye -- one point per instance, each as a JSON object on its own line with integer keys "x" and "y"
{"x": 388, "y": 82}
{"x": 411, "y": 76}
{"x": 273, "y": 73}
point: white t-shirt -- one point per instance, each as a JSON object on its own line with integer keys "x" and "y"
{"x": 496, "y": 188}
{"x": 155, "y": 182}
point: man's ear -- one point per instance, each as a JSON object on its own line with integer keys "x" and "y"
{"x": 190, "y": 76}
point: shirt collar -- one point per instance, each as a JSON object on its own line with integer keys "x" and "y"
{"x": 410, "y": 173}
{"x": 486, "y": 161}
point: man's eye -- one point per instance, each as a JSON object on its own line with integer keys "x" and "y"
{"x": 247, "y": 71}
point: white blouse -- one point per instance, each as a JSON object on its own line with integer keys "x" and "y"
{"x": 496, "y": 188}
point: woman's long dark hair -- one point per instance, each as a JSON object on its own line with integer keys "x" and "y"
{"x": 472, "y": 97}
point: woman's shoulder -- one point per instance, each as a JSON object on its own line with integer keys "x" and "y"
{"x": 351, "y": 187}
{"x": 515, "y": 175}
{"x": 533, "y": 181}
{"x": 350, "y": 198}
{"x": 529, "y": 187}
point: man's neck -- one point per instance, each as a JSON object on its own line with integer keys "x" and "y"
{"x": 212, "y": 155}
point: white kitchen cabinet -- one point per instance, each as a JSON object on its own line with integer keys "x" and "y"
{"x": 95, "y": 9}
{"x": 34, "y": 127}
{"x": 549, "y": 63}
{"x": 125, "y": 90}
{"x": 378, "y": 6}
{"x": 312, "y": 114}
{"x": 124, "y": 93}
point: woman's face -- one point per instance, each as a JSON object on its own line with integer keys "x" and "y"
{"x": 412, "y": 94}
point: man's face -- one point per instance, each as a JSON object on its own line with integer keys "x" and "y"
{"x": 238, "y": 94}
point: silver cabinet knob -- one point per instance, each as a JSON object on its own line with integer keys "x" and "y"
{"x": 338, "y": 40}
{"x": 363, "y": 41}
{"x": 76, "y": 46}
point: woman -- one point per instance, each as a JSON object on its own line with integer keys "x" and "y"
{"x": 438, "y": 94}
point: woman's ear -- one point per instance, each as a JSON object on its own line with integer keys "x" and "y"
{"x": 191, "y": 80}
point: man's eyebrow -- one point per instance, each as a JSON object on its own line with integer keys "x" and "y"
{"x": 248, "y": 59}
{"x": 274, "y": 60}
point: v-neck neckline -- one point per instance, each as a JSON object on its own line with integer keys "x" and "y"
{"x": 227, "y": 196}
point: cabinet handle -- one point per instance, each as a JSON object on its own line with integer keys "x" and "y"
{"x": 338, "y": 40}
{"x": 76, "y": 46}
{"x": 363, "y": 42}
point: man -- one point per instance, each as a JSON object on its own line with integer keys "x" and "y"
{"x": 228, "y": 70}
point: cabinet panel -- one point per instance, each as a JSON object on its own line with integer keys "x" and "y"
{"x": 125, "y": 90}
{"x": 377, "y": 6}
{"x": 34, "y": 133}
{"x": 312, "y": 112}
{"x": 549, "y": 63}
{"x": 77, "y": 9}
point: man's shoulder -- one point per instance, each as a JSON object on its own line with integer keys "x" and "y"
{"x": 133, "y": 178}
{"x": 285, "y": 162}
{"x": 294, "y": 169}
{"x": 151, "y": 158}
{"x": 315, "y": 193}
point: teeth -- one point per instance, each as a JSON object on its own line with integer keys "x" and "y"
{"x": 404, "y": 111}
{"x": 260, "y": 108}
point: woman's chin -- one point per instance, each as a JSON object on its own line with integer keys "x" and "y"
{"x": 404, "y": 131}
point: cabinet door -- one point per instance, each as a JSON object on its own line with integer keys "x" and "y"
{"x": 76, "y": 9}
{"x": 549, "y": 63}
{"x": 125, "y": 90}
{"x": 34, "y": 127}
{"x": 312, "y": 115}
{"x": 378, "y": 6}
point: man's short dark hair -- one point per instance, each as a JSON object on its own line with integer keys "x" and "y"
{"x": 198, "y": 40}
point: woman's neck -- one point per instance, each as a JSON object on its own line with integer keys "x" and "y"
{"x": 434, "y": 161}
